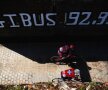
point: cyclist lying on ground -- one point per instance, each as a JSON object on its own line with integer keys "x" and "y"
{"x": 67, "y": 51}
{"x": 66, "y": 55}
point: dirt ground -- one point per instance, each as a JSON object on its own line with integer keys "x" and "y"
{"x": 99, "y": 71}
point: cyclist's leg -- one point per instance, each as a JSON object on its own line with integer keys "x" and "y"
{"x": 72, "y": 63}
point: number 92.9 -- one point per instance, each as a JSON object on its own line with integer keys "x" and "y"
{"x": 86, "y": 18}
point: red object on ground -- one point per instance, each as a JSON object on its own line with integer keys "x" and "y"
{"x": 68, "y": 73}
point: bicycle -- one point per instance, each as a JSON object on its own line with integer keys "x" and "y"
{"x": 63, "y": 60}
{"x": 56, "y": 81}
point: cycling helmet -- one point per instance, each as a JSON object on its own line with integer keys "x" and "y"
{"x": 61, "y": 49}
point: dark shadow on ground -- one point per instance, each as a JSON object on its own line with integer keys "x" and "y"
{"x": 41, "y": 52}
{"x": 84, "y": 71}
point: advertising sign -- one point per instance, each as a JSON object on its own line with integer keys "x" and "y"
{"x": 53, "y": 18}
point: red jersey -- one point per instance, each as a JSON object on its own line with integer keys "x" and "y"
{"x": 65, "y": 51}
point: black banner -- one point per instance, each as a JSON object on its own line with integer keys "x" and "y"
{"x": 53, "y": 18}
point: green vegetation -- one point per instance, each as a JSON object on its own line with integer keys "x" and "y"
{"x": 49, "y": 86}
